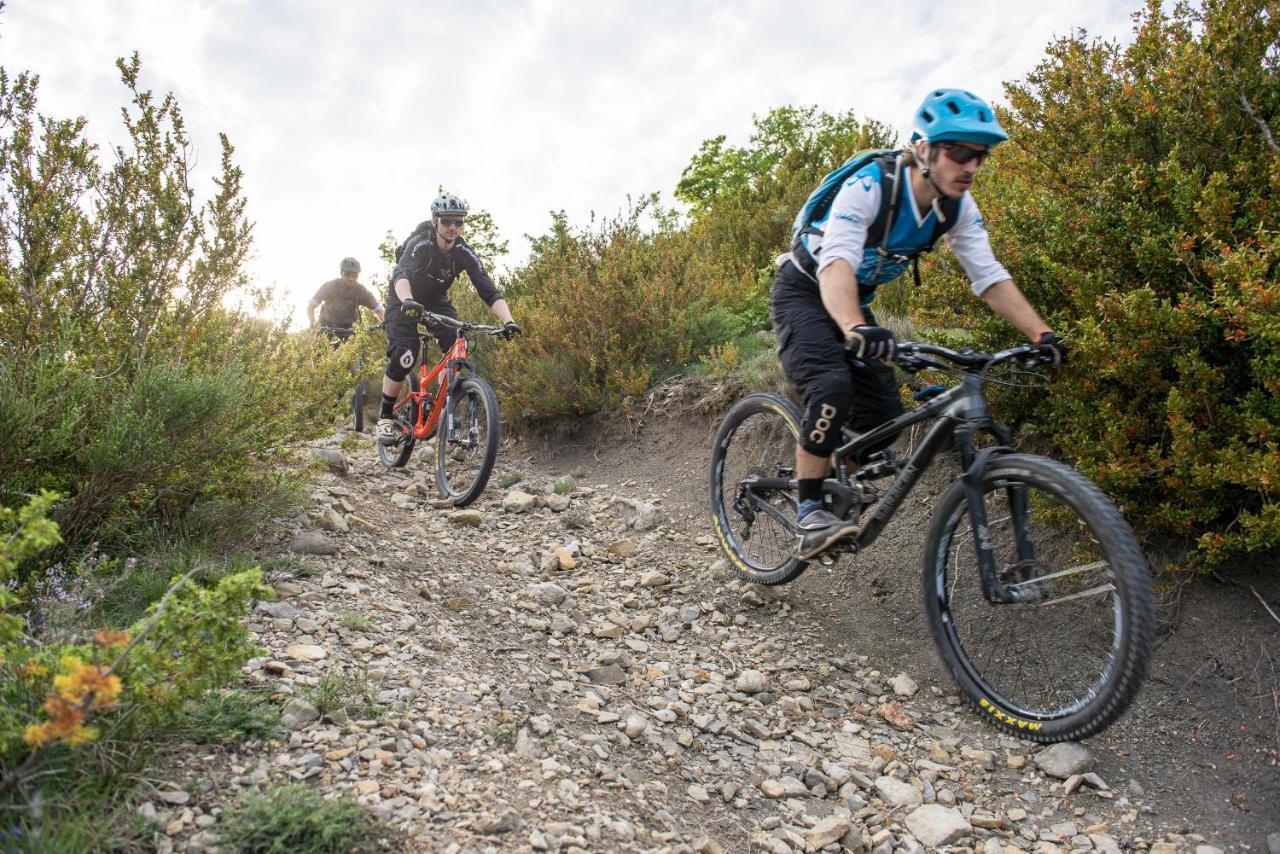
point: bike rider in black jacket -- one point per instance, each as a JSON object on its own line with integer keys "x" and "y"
{"x": 427, "y": 265}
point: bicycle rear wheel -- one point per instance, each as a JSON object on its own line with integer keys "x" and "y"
{"x": 467, "y": 446}
{"x": 757, "y": 439}
{"x": 405, "y": 416}
{"x": 1067, "y": 661}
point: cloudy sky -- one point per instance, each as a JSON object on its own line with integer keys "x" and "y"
{"x": 347, "y": 116}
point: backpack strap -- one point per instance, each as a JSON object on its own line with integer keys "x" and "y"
{"x": 889, "y": 170}
{"x": 890, "y": 198}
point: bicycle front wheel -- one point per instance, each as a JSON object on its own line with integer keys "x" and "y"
{"x": 467, "y": 445}
{"x": 753, "y": 507}
{"x": 405, "y": 416}
{"x": 1068, "y": 658}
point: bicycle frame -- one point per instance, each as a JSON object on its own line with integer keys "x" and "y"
{"x": 451, "y": 365}
{"x": 959, "y": 414}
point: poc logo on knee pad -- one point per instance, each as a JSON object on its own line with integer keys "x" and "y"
{"x": 818, "y": 434}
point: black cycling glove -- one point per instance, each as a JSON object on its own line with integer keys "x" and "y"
{"x": 1053, "y": 346}
{"x": 412, "y": 309}
{"x": 872, "y": 342}
{"x": 510, "y": 329}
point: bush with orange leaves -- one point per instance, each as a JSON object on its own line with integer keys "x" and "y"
{"x": 191, "y": 640}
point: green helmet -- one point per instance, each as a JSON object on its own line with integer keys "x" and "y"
{"x": 349, "y": 265}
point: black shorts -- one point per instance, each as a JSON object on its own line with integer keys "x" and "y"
{"x": 402, "y": 332}
{"x": 813, "y": 355}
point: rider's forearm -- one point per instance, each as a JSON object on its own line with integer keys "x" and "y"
{"x": 1008, "y": 301}
{"x": 502, "y": 310}
{"x": 311, "y": 314}
{"x": 839, "y": 288}
{"x": 403, "y": 290}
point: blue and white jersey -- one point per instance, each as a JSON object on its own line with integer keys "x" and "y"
{"x": 854, "y": 209}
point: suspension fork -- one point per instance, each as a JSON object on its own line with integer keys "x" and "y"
{"x": 457, "y": 370}
{"x": 1019, "y": 508}
{"x": 975, "y": 466}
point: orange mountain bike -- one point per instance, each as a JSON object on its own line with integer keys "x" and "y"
{"x": 463, "y": 405}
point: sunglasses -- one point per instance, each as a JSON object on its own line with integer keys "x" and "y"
{"x": 449, "y": 220}
{"x": 962, "y": 154}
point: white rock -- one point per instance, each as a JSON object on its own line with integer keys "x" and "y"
{"x": 830, "y": 829}
{"x": 903, "y": 685}
{"x": 516, "y": 501}
{"x": 898, "y": 793}
{"x": 935, "y": 825}
{"x": 637, "y": 514}
{"x": 548, "y": 593}
{"x": 305, "y": 652}
{"x": 750, "y": 682}
{"x": 1064, "y": 759}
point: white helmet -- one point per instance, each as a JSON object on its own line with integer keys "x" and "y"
{"x": 447, "y": 204}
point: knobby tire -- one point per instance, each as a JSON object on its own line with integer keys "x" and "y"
{"x": 1093, "y": 608}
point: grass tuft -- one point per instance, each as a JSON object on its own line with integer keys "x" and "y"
{"x": 296, "y": 818}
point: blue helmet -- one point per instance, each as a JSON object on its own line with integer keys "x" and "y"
{"x": 957, "y": 116}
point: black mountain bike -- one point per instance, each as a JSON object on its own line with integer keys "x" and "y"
{"x": 1037, "y": 594}
{"x": 339, "y": 335}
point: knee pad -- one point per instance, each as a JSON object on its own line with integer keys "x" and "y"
{"x": 400, "y": 362}
{"x": 826, "y": 413}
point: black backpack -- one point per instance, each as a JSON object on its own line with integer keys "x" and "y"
{"x": 820, "y": 200}
{"x": 422, "y": 229}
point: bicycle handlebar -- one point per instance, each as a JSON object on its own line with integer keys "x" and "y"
{"x": 913, "y": 357}
{"x": 350, "y": 329}
{"x": 460, "y": 325}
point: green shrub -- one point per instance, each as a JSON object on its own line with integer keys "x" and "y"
{"x": 64, "y": 685}
{"x": 356, "y": 620}
{"x": 605, "y": 311}
{"x": 1135, "y": 203}
{"x": 125, "y": 382}
{"x": 294, "y": 818}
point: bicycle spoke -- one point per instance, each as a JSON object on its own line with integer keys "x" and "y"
{"x": 1097, "y": 564}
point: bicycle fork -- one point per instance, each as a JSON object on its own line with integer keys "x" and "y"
{"x": 996, "y": 591}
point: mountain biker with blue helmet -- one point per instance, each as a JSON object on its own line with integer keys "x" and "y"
{"x": 821, "y": 300}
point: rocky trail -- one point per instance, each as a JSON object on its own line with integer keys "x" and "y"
{"x": 573, "y": 669}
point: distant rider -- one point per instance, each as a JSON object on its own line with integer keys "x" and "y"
{"x": 339, "y": 301}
